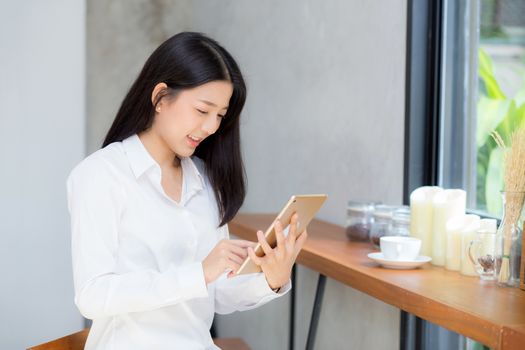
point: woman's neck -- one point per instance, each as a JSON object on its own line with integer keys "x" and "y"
{"x": 159, "y": 150}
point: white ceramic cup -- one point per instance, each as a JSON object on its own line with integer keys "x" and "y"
{"x": 400, "y": 248}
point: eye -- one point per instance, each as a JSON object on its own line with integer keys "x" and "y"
{"x": 222, "y": 116}
{"x": 201, "y": 112}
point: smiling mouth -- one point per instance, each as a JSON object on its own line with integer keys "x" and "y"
{"x": 196, "y": 139}
{"x": 192, "y": 142}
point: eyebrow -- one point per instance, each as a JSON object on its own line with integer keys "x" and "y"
{"x": 212, "y": 104}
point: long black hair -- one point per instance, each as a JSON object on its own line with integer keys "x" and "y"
{"x": 186, "y": 60}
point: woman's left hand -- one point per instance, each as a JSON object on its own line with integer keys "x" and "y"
{"x": 277, "y": 262}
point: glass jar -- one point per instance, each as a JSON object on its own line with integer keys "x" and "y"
{"x": 481, "y": 249}
{"x": 508, "y": 240}
{"x": 381, "y": 223}
{"x": 401, "y": 221}
{"x": 358, "y": 220}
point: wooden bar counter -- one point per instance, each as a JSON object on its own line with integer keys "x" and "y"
{"x": 482, "y": 311}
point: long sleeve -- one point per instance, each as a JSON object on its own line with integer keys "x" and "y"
{"x": 95, "y": 203}
{"x": 244, "y": 292}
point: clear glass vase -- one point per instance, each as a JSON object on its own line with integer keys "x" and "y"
{"x": 508, "y": 240}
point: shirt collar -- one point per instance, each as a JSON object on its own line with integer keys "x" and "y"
{"x": 141, "y": 160}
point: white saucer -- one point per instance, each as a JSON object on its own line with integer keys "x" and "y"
{"x": 399, "y": 264}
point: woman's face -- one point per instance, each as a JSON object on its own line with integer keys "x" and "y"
{"x": 195, "y": 112}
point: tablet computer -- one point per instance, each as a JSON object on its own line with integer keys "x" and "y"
{"x": 306, "y": 206}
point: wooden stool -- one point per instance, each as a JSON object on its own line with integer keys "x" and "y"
{"x": 231, "y": 344}
{"x": 76, "y": 341}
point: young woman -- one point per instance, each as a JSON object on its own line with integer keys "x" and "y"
{"x": 152, "y": 257}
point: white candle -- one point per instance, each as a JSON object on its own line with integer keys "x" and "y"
{"x": 468, "y": 234}
{"x": 446, "y": 205}
{"x": 453, "y": 251}
{"x": 455, "y": 230}
{"x": 421, "y": 216}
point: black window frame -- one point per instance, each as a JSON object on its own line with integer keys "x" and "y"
{"x": 424, "y": 125}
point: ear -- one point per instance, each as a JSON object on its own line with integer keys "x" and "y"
{"x": 156, "y": 90}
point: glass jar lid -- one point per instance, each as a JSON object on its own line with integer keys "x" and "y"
{"x": 384, "y": 212}
{"x": 402, "y": 215}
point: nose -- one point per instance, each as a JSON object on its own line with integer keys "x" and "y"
{"x": 211, "y": 124}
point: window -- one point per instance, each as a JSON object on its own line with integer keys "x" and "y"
{"x": 465, "y": 77}
{"x": 483, "y": 89}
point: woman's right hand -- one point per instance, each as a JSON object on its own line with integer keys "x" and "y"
{"x": 228, "y": 253}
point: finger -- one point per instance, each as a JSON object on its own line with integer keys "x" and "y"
{"x": 264, "y": 244}
{"x": 279, "y": 235}
{"x": 231, "y": 274}
{"x": 299, "y": 243}
{"x": 292, "y": 231}
{"x": 242, "y": 243}
{"x": 236, "y": 258}
{"x": 257, "y": 260}
{"x": 232, "y": 265}
{"x": 240, "y": 251}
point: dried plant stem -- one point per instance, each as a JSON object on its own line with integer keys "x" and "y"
{"x": 514, "y": 181}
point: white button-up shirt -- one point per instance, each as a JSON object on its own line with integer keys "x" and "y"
{"x": 137, "y": 253}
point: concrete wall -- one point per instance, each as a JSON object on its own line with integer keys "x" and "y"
{"x": 325, "y": 113}
{"x": 121, "y": 34}
{"x": 42, "y": 114}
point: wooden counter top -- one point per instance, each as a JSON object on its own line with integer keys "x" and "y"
{"x": 492, "y": 315}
